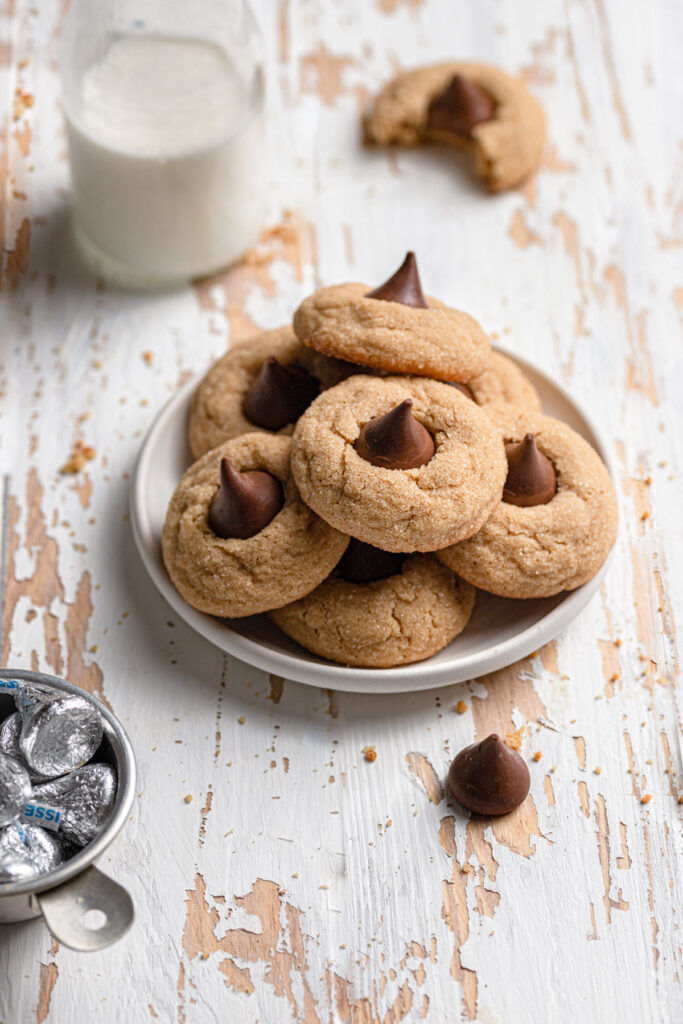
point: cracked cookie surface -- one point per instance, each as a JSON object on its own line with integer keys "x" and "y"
{"x": 506, "y": 149}
{"x": 399, "y": 510}
{"x": 542, "y": 550}
{"x": 344, "y": 322}
{"x": 395, "y": 621}
{"x": 230, "y": 577}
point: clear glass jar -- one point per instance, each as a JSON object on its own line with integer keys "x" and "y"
{"x": 164, "y": 102}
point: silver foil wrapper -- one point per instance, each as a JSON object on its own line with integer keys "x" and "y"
{"x": 26, "y": 851}
{"x": 10, "y": 734}
{"x": 58, "y": 733}
{"x": 30, "y": 694}
{"x": 85, "y": 797}
{"x": 15, "y": 788}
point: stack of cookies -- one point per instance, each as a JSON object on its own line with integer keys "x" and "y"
{"x": 361, "y": 473}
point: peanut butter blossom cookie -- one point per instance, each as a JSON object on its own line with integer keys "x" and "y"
{"x": 557, "y": 521}
{"x": 472, "y": 106}
{"x": 261, "y": 383}
{"x": 238, "y": 539}
{"x": 402, "y": 463}
{"x": 380, "y": 609}
{"x": 393, "y": 328}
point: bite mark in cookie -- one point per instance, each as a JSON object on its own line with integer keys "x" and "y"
{"x": 471, "y": 106}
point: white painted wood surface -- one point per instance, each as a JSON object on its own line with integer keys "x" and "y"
{"x": 302, "y": 883}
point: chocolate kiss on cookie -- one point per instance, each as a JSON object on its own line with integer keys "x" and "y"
{"x": 396, "y": 440}
{"x": 364, "y": 563}
{"x": 403, "y": 286}
{"x": 488, "y": 777}
{"x": 460, "y": 107}
{"x": 462, "y": 387}
{"x": 244, "y": 503}
{"x": 279, "y": 395}
{"x": 531, "y": 478}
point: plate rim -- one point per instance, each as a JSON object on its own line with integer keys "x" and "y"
{"x": 419, "y": 675}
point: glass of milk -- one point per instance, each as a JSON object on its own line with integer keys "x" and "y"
{"x": 165, "y": 114}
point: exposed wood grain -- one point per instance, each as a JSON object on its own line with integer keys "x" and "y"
{"x": 302, "y": 882}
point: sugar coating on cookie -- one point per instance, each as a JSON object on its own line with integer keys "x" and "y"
{"x": 506, "y": 148}
{"x": 542, "y": 550}
{"x": 501, "y": 382}
{"x": 218, "y": 407}
{"x": 404, "y": 618}
{"x": 344, "y": 322}
{"x": 421, "y": 509}
{"x": 232, "y": 577}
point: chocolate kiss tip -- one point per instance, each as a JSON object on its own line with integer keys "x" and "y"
{"x": 396, "y": 440}
{"x": 403, "y": 286}
{"x": 244, "y": 503}
{"x": 364, "y": 563}
{"x": 489, "y": 778}
{"x": 531, "y": 478}
{"x": 279, "y": 395}
{"x": 460, "y": 107}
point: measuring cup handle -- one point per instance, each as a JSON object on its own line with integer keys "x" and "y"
{"x": 65, "y": 909}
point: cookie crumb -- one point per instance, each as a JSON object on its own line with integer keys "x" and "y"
{"x": 80, "y": 454}
{"x": 680, "y": 799}
{"x": 597, "y": 769}
{"x": 148, "y": 357}
{"x": 514, "y": 738}
{"x": 370, "y": 753}
{"x": 467, "y": 869}
{"x": 645, "y": 798}
{"x": 21, "y": 103}
{"x": 241, "y": 720}
{"x": 188, "y": 798}
{"x": 461, "y": 707}
{"x": 537, "y": 756}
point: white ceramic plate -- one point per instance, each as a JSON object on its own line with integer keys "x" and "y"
{"x": 500, "y": 632}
